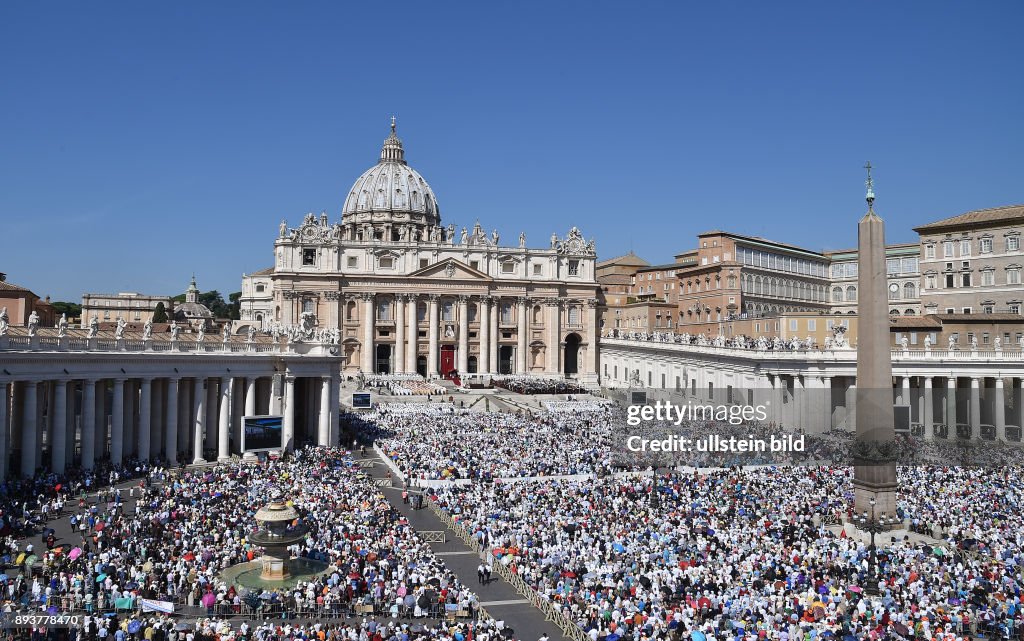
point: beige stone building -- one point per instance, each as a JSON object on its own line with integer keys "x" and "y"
{"x": 972, "y": 263}
{"x": 133, "y": 307}
{"x": 903, "y": 275}
{"x": 408, "y": 294}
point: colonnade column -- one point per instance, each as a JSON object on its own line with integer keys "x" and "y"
{"x": 171, "y": 428}
{"x": 591, "y": 363}
{"x": 156, "y": 421}
{"x": 975, "y": 420}
{"x": 88, "y": 427}
{"x": 414, "y": 334}
{"x": 851, "y": 405}
{"x": 483, "y": 362}
{"x": 432, "y": 335}
{"x": 1000, "y": 411}
{"x": 826, "y": 394}
{"x": 554, "y": 334}
{"x": 28, "y": 428}
{"x": 288, "y": 427}
{"x": 199, "y": 400}
{"x": 1018, "y": 401}
{"x": 399, "y": 336}
{"x": 493, "y": 347}
{"x": 927, "y": 418}
{"x": 905, "y": 391}
{"x": 323, "y": 435}
{"x": 145, "y": 418}
{"x": 227, "y": 383}
{"x": 59, "y": 433}
{"x": 521, "y": 336}
{"x": 5, "y": 399}
{"x": 368, "y": 330}
{"x": 250, "y": 395}
{"x": 117, "y": 423}
{"x": 463, "y": 363}
{"x": 951, "y": 406}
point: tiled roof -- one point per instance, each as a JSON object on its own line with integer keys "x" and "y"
{"x": 1011, "y": 213}
{"x": 11, "y": 287}
{"x": 263, "y": 272}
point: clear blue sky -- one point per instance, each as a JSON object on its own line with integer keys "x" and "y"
{"x": 143, "y": 141}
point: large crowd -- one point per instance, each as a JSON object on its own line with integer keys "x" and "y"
{"x": 436, "y": 442}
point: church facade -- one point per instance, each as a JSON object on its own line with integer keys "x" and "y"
{"x": 408, "y": 295}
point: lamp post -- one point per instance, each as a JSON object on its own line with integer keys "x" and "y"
{"x": 874, "y": 526}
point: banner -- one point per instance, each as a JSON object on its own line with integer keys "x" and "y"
{"x": 149, "y": 605}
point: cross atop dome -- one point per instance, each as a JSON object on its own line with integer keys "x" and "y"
{"x": 392, "y": 150}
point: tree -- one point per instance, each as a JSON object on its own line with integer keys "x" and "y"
{"x": 235, "y": 307}
{"x": 160, "y": 313}
{"x": 73, "y": 310}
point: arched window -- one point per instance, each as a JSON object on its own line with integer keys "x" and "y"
{"x": 894, "y": 312}
{"x": 851, "y": 293}
{"x": 909, "y": 290}
{"x": 837, "y": 294}
{"x": 909, "y": 312}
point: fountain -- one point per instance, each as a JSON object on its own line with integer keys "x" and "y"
{"x": 275, "y": 535}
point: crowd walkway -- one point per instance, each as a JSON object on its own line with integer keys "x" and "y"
{"x": 500, "y": 600}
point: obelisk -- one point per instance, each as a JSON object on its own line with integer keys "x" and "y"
{"x": 875, "y": 465}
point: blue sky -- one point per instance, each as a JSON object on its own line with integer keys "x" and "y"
{"x": 145, "y": 141}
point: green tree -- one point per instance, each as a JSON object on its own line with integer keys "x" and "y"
{"x": 180, "y": 298}
{"x": 73, "y": 310}
{"x": 235, "y": 306}
{"x": 160, "y": 313}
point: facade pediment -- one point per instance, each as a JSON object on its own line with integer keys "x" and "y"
{"x": 450, "y": 269}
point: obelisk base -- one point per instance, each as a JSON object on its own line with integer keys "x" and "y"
{"x": 875, "y": 482}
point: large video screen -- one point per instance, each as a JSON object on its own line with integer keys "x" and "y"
{"x": 261, "y": 433}
{"x": 361, "y": 401}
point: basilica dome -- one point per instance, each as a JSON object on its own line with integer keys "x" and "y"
{"x": 391, "y": 191}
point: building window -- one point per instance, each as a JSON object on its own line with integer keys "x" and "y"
{"x": 1012, "y": 243}
{"x": 384, "y": 310}
{"x": 1013, "y": 275}
{"x": 260, "y": 288}
{"x": 1014, "y": 308}
{"x": 986, "y": 245}
{"x": 506, "y": 313}
{"x": 812, "y": 325}
{"x": 471, "y": 309}
{"x": 508, "y": 267}
{"x": 475, "y": 264}
{"x": 307, "y": 306}
{"x": 947, "y": 249}
{"x": 421, "y": 312}
{"x": 447, "y": 311}
{"x": 386, "y": 262}
{"x": 988, "y": 309}
{"x": 309, "y": 257}
{"x": 851, "y": 294}
{"x": 988, "y": 277}
{"x": 929, "y": 251}
{"x": 537, "y": 270}
{"x": 965, "y": 248}
{"x": 966, "y": 310}
{"x": 909, "y": 290}
{"x": 949, "y": 281}
{"x": 985, "y": 338}
{"x": 574, "y": 268}
{"x": 424, "y": 262}
{"x": 965, "y": 280}
{"x": 574, "y": 316}
{"x": 837, "y": 294}
{"x": 929, "y": 281}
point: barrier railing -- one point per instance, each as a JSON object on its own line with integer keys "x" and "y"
{"x": 564, "y": 623}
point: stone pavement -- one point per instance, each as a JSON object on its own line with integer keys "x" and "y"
{"x": 499, "y": 598}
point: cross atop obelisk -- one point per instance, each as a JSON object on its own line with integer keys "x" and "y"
{"x": 875, "y": 471}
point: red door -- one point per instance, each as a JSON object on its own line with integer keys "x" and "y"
{"x": 447, "y": 360}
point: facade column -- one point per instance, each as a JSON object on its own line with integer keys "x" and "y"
{"x": 1000, "y": 411}
{"x": 927, "y": 416}
{"x": 554, "y": 334}
{"x": 145, "y": 418}
{"x": 59, "y": 432}
{"x": 905, "y": 391}
{"x": 432, "y": 336}
{"x": 288, "y": 424}
{"x": 117, "y": 423}
{"x": 414, "y": 334}
{"x": 483, "y": 361}
{"x": 493, "y": 347}
{"x": 335, "y": 428}
{"x": 250, "y": 396}
{"x": 826, "y": 402}
{"x": 5, "y": 401}
{"x": 975, "y": 407}
{"x": 951, "y": 406}
{"x": 88, "y": 422}
{"x": 171, "y": 428}
{"x": 521, "y": 335}
{"x": 367, "y": 348}
{"x": 399, "y": 335}
{"x": 463, "y": 362}
{"x": 323, "y": 435}
{"x": 199, "y": 401}
{"x": 224, "y": 424}
{"x": 591, "y": 366}
{"x": 29, "y": 417}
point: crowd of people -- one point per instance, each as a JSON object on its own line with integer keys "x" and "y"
{"x": 184, "y": 533}
{"x": 537, "y": 385}
{"x": 749, "y": 549}
{"x": 438, "y": 442}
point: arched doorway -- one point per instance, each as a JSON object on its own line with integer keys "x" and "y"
{"x": 421, "y": 365}
{"x": 505, "y": 359}
{"x": 572, "y": 351}
{"x": 384, "y": 358}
